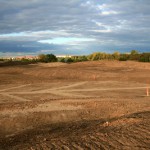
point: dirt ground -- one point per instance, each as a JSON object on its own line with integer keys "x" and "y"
{"x": 80, "y": 106}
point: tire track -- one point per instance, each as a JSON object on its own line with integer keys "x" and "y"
{"x": 14, "y": 97}
{"x": 75, "y": 90}
{"x": 107, "y": 89}
{"x": 16, "y": 87}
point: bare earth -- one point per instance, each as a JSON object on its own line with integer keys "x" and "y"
{"x": 81, "y": 106}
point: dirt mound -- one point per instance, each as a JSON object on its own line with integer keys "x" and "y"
{"x": 83, "y": 71}
{"x": 55, "y": 64}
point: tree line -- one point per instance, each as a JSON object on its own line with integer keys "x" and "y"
{"x": 133, "y": 55}
{"x": 46, "y": 58}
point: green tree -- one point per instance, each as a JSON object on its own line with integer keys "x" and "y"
{"x": 145, "y": 57}
{"x": 124, "y": 57}
{"x": 47, "y": 58}
{"x": 51, "y": 58}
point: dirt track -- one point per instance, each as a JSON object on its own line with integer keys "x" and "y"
{"x": 89, "y": 105}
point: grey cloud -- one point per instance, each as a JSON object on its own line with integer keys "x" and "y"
{"x": 30, "y": 47}
{"x": 111, "y": 23}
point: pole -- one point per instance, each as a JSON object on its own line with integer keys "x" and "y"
{"x": 94, "y": 77}
{"x": 147, "y": 91}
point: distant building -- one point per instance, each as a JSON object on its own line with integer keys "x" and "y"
{"x": 22, "y": 57}
{"x": 63, "y": 56}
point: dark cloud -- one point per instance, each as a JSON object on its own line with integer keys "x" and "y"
{"x": 26, "y": 46}
{"x": 107, "y": 24}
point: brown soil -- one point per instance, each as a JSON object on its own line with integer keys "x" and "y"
{"x": 89, "y": 105}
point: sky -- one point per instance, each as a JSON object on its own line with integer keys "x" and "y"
{"x": 73, "y": 27}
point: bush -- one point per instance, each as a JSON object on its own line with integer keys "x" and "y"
{"x": 144, "y": 57}
{"x": 68, "y": 60}
{"x": 124, "y": 57}
{"x": 1, "y": 59}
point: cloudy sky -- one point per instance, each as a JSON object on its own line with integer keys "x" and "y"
{"x": 73, "y": 27}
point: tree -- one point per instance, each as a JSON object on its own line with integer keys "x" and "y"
{"x": 145, "y": 57}
{"x": 116, "y": 55}
{"x": 68, "y": 60}
{"x": 47, "y": 58}
{"x": 51, "y": 58}
{"x": 134, "y": 52}
{"x": 134, "y": 55}
{"x": 124, "y": 57}
{"x": 42, "y": 57}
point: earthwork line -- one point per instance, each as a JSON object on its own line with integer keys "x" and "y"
{"x": 14, "y": 97}
{"x": 16, "y": 87}
{"x": 107, "y": 89}
{"x": 68, "y": 86}
{"x": 75, "y": 90}
{"x": 63, "y": 87}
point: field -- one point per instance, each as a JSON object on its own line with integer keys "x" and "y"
{"x": 79, "y": 106}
